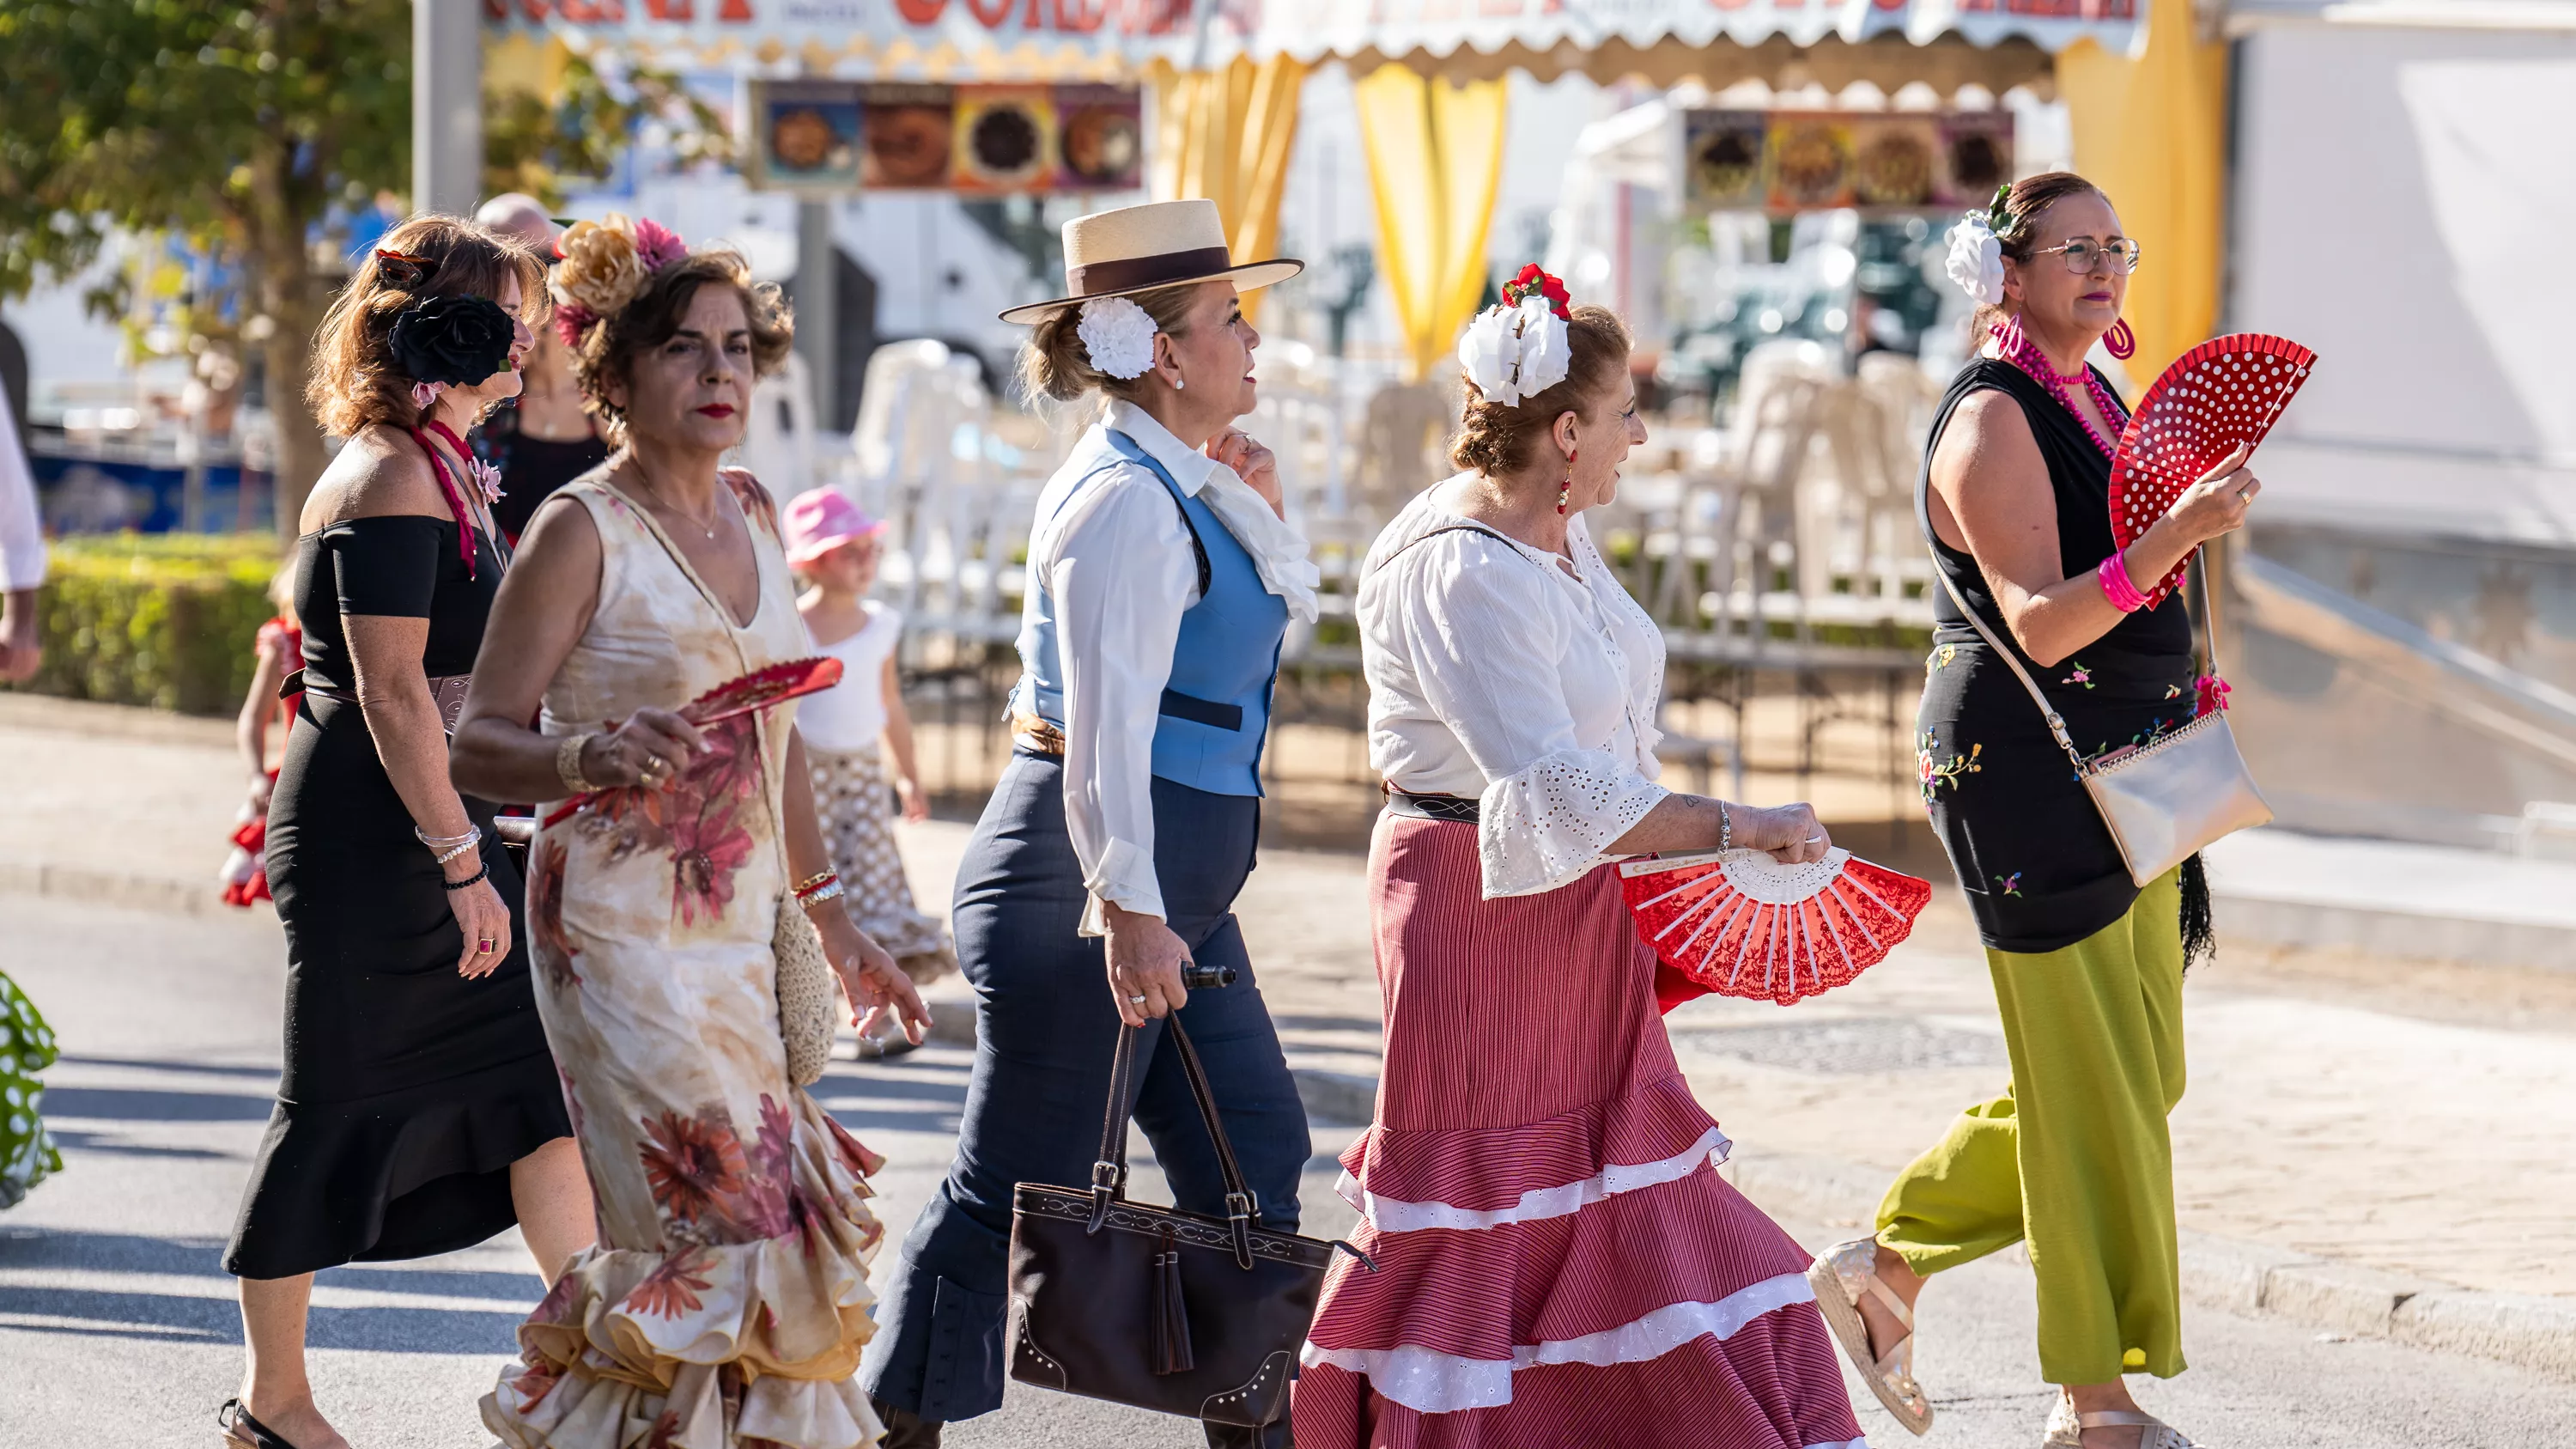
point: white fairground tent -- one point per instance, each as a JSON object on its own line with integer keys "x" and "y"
{"x": 1890, "y": 42}
{"x": 1428, "y": 77}
{"x": 891, "y": 40}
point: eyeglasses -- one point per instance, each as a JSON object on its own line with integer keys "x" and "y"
{"x": 2083, "y": 252}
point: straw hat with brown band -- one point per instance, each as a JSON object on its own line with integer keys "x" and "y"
{"x": 1141, "y": 248}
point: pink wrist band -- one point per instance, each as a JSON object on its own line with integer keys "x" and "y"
{"x": 2116, "y": 587}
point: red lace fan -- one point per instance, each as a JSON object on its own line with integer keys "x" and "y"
{"x": 1740, "y": 923}
{"x": 2226, "y": 391}
{"x": 761, "y": 688}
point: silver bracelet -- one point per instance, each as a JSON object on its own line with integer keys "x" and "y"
{"x": 441, "y": 842}
{"x": 1725, "y": 827}
{"x": 454, "y": 851}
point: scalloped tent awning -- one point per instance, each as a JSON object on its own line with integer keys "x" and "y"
{"x": 1944, "y": 43}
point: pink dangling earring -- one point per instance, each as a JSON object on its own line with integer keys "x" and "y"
{"x": 1565, "y": 493}
{"x": 2120, "y": 342}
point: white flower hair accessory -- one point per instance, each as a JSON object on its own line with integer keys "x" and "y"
{"x": 1515, "y": 352}
{"x": 1976, "y": 260}
{"x": 1119, "y": 336}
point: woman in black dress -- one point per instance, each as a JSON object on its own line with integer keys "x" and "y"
{"x": 2073, "y": 1156}
{"x": 420, "y": 1111}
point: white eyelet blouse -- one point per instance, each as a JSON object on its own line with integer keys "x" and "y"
{"x": 1495, "y": 673}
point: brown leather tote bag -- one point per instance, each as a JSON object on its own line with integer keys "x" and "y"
{"x": 1152, "y": 1307}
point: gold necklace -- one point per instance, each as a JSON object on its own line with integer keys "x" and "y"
{"x": 709, "y": 529}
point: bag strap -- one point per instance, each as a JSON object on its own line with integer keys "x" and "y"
{"x": 2003, "y": 651}
{"x": 2056, "y": 722}
{"x": 1109, "y": 1170}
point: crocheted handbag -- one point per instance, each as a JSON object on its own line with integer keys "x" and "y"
{"x": 804, "y": 994}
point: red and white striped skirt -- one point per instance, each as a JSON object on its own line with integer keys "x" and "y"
{"x": 1560, "y": 1262}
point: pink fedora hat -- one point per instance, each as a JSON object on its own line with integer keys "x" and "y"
{"x": 821, "y": 520}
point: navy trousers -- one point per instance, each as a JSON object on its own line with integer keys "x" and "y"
{"x": 1045, "y": 1029}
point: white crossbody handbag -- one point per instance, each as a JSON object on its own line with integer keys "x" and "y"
{"x": 2164, "y": 800}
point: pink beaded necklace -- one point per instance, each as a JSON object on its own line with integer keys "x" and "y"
{"x": 2021, "y": 352}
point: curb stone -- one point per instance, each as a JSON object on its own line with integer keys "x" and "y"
{"x": 115, "y": 888}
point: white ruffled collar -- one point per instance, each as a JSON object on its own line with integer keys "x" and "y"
{"x": 1279, "y": 552}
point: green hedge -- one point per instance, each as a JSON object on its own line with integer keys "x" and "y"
{"x": 166, "y": 620}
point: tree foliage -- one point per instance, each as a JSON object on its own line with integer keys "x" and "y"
{"x": 542, "y": 144}
{"x": 236, "y": 126}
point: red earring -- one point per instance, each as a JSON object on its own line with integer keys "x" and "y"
{"x": 2120, "y": 341}
{"x": 1565, "y": 493}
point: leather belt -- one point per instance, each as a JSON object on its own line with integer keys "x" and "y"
{"x": 1030, "y": 733}
{"x": 1038, "y": 737}
{"x": 1456, "y": 808}
{"x": 447, "y": 691}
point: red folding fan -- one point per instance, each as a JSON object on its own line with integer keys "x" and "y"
{"x": 2226, "y": 391}
{"x": 1740, "y": 923}
{"x": 744, "y": 693}
{"x": 739, "y": 695}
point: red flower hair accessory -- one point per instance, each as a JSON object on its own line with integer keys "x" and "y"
{"x": 1531, "y": 281}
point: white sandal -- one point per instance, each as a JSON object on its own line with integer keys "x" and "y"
{"x": 1840, "y": 1276}
{"x": 2066, "y": 1428}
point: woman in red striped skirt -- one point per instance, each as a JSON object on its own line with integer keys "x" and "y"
{"x": 1559, "y": 1262}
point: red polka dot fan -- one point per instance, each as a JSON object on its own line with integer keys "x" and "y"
{"x": 1740, "y": 923}
{"x": 2226, "y": 391}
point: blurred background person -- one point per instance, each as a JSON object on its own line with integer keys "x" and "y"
{"x": 22, "y": 557}
{"x": 419, "y": 1112}
{"x": 858, "y": 729}
{"x": 545, "y": 437}
{"x": 278, "y": 650}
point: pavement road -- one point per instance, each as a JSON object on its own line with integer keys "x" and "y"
{"x": 117, "y": 1327}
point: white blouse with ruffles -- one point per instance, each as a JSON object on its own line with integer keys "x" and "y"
{"x": 1496, "y": 673}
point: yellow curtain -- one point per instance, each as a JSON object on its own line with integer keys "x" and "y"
{"x": 2152, "y": 132}
{"x": 1226, "y": 135}
{"x": 1435, "y": 154}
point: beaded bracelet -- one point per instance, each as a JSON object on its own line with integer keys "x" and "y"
{"x": 454, "y": 851}
{"x": 472, "y": 880}
{"x": 1725, "y": 827}
{"x": 829, "y": 891}
{"x": 815, "y": 882}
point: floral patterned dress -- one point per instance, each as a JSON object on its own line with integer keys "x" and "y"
{"x": 726, "y": 1301}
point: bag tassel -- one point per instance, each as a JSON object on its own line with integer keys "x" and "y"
{"x": 1171, "y": 1345}
{"x": 2199, "y": 931}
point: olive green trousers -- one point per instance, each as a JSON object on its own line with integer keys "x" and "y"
{"x": 2073, "y": 1158}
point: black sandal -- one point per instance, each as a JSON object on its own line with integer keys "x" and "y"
{"x": 239, "y": 1426}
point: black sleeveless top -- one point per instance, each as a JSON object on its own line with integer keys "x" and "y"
{"x": 2039, "y": 867}
{"x": 532, "y": 468}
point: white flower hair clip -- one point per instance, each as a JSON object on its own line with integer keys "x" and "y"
{"x": 1118, "y": 335}
{"x": 1515, "y": 352}
{"x": 1976, "y": 260}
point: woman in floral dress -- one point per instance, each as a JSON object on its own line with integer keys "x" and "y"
{"x": 727, "y": 1299}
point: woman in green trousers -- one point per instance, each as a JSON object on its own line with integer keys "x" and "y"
{"x": 2072, "y": 1158}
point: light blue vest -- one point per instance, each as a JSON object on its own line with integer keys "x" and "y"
{"x": 1216, "y": 706}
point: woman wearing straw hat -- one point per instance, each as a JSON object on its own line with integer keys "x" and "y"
{"x": 1161, "y": 580}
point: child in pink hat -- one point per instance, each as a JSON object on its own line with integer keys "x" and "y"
{"x": 854, "y": 728}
